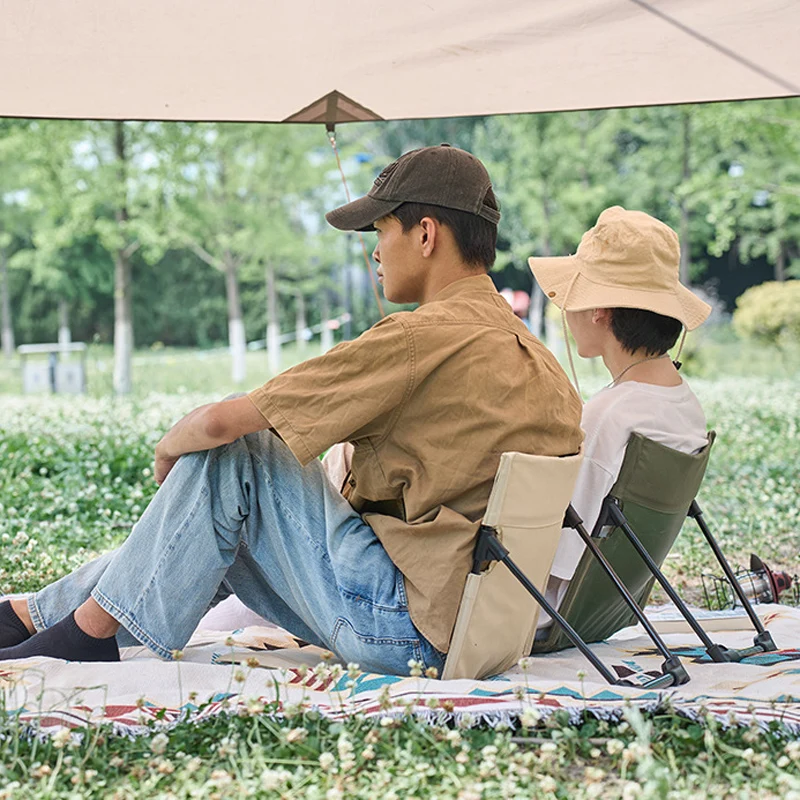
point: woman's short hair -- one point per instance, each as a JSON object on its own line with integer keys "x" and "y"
{"x": 636, "y": 329}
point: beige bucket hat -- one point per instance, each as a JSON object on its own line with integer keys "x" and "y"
{"x": 627, "y": 260}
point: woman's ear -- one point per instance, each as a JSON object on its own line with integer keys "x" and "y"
{"x": 601, "y": 316}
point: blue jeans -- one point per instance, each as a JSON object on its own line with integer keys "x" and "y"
{"x": 246, "y": 518}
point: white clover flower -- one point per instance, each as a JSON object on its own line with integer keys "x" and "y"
{"x": 296, "y": 735}
{"x": 327, "y": 761}
{"x": 631, "y": 790}
{"x": 62, "y": 738}
{"x": 548, "y": 784}
{"x": 221, "y": 777}
{"x": 614, "y": 746}
{"x": 594, "y": 774}
{"x": 272, "y": 779}
{"x": 158, "y": 744}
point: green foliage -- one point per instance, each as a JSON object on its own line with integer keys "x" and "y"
{"x": 297, "y": 755}
{"x": 191, "y": 198}
{"x": 769, "y": 312}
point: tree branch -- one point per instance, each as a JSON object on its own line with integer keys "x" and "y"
{"x": 203, "y": 254}
{"x": 131, "y": 248}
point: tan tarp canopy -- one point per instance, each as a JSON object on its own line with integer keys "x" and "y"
{"x": 310, "y": 60}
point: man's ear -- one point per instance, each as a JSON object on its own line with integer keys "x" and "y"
{"x": 428, "y": 230}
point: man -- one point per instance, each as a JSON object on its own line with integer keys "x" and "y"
{"x": 430, "y": 399}
{"x": 621, "y": 297}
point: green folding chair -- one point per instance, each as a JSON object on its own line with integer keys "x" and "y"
{"x": 636, "y": 529}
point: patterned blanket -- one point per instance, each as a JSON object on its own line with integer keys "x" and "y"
{"x": 256, "y": 669}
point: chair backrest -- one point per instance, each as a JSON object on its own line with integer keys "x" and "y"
{"x": 497, "y": 617}
{"x": 654, "y": 489}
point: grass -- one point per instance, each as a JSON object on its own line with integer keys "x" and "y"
{"x": 309, "y": 757}
{"x": 76, "y": 475}
{"x": 167, "y": 370}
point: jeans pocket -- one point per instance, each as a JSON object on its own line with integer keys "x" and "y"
{"x": 383, "y": 654}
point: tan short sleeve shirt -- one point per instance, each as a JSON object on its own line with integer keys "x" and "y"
{"x": 429, "y": 399}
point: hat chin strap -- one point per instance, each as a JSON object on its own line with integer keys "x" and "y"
{"x": 676, "y": 362}
{"x": 566, "y": 337}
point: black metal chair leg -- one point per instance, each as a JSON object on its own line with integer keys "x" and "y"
{"x": 717, "y": 652}
{"x": 762, "y": 642}
{"x": 572, "y": 520}
{"x": 489, "y": 548}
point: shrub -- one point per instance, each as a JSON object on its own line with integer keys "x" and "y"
{"x": 769, "y": 312}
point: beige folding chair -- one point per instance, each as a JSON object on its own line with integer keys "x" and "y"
{"x": 497, "y": 617}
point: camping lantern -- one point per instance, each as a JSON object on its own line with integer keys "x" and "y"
{"x": 760, "y": 584}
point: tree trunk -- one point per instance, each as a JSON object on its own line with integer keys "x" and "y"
{"x": 6, "y": 327}
{"x": 780, "y": 263}
{"x": 326, "y": 332}
{"x": 236, "y": 336}
{"x": 536, "y": 311}
{"x": 123, "y": 324}
{"x": 273, "y": 325}
{"x": 64, "y": 333}
{"x": 300, "y": 321}
{"x": 123, "y": 321}
{"x": 685, "y": 265}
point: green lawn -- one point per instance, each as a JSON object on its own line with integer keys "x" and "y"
{"x": 76, "y": 474}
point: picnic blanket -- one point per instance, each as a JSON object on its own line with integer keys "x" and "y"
{"x": 258, "y": 670}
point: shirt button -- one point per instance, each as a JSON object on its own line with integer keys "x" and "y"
{"x": 352, "y": 481}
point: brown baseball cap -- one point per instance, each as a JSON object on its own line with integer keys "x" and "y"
{"x": 439, "y": 176}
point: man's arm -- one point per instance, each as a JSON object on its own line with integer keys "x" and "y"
{"x": 205, "y": 428}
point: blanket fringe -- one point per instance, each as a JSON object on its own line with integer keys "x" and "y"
{"x": 497, "y": 719}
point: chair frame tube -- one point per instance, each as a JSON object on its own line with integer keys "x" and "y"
{"x": 763, "y": 641}
{"x": 611, "y": 511}
{"x": 490, "y": 548}
{"x": 572, "y": 520}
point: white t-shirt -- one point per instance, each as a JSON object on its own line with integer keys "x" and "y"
{"x": 670, "y": 415}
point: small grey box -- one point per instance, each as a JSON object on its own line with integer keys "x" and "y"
{"x": 36, "y": 377}
{"x": 70, "y": 378}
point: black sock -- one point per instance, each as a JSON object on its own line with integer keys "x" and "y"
{"x": 64, "y": 640}
{"x": 12, "y": 628}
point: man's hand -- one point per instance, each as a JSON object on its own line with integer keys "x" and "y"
{"x": 163, "y": 465}
{"x": 205, "y": 428}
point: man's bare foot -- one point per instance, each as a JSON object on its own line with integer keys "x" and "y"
{"x": 93, "y": 619}
{"x": 20, "y": 606}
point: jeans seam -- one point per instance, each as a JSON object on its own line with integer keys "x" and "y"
{"x": 130, "y": 624}
{"x": 379, "y": 640}
{"x": 359, "y": 598}
{"x": 36, "y": 616}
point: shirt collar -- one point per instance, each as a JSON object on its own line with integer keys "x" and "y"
{"x": 475, "y": 283}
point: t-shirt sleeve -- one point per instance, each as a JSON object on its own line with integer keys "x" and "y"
{"x": 340, "y": 395}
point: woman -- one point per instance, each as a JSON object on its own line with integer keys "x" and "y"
{"x": 622, "y": 300}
